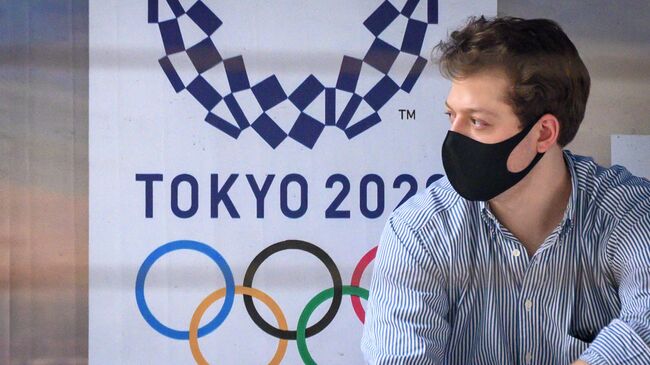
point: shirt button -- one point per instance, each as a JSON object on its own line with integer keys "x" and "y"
{"x": 529, "y": 357}
{"x": 516, "y": 252}
{"x": 528, "y": 304}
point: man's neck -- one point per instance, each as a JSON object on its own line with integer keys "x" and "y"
{"x": 535, "y": 206}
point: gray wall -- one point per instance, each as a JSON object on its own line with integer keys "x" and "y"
{"x": 44, "y": 147}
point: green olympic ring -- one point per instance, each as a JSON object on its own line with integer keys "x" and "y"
{"x": 309, "y": 309}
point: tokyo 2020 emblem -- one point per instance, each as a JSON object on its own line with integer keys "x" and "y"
{"x": 381, "y": 54}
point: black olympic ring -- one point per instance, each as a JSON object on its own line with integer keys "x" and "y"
{"x": 329, "y": 264}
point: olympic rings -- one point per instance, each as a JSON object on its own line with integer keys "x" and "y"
{"x": 356, "y": 280}
{"x": 329, "y": 264}
{"x": 301, "y": 333}
{"x": 218, "y": 294}
{"x": 309, "y": 309}
{"x": 187, "y": 245}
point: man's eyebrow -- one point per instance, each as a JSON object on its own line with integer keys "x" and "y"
{"x": 471, "y": 110}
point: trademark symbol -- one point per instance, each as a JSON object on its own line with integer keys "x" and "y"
{"x": 406, "y": 114}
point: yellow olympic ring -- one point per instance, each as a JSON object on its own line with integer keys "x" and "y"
{"x": 244, "y": 290}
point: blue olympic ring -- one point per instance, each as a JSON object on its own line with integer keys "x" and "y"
{"x": 184, "y": 245}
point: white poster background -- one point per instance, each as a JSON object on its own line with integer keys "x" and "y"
{"x": 139, "y": 124}
{"x": 632, "y": 151}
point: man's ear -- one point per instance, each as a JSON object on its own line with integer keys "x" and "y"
{"x": 549, "y": 132}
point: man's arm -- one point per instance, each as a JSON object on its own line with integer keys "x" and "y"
{"x": 626, "y": 340}
{"x": 406, "y": 313}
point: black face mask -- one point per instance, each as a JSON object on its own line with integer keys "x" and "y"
{"x": 478, "y": 171}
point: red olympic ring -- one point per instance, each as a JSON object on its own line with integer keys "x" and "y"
{"x": 356, "y": 280}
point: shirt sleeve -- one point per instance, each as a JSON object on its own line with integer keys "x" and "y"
{"x": 406, "y": 313}
{"x": 626, "y": 340}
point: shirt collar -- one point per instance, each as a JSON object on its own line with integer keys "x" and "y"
{"x": 569, "y": 214}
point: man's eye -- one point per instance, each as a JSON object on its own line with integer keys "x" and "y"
{"x": 448, "y": 114}
{"x": 477, "y": 123}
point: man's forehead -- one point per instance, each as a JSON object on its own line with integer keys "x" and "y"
{"x": 484, "y": 92}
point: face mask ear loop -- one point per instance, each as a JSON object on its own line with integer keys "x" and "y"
{"x": 530, "y": 127}
{"x": 538, "y": 155}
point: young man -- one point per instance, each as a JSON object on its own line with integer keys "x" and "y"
{"x": 524, "y": 253}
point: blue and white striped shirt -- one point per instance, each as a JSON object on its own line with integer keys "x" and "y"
{"x": 451, "y": 285}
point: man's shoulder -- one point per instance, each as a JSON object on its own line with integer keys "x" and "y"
{"x": 614, "y": 190}
{"x": 428, "y": 204}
